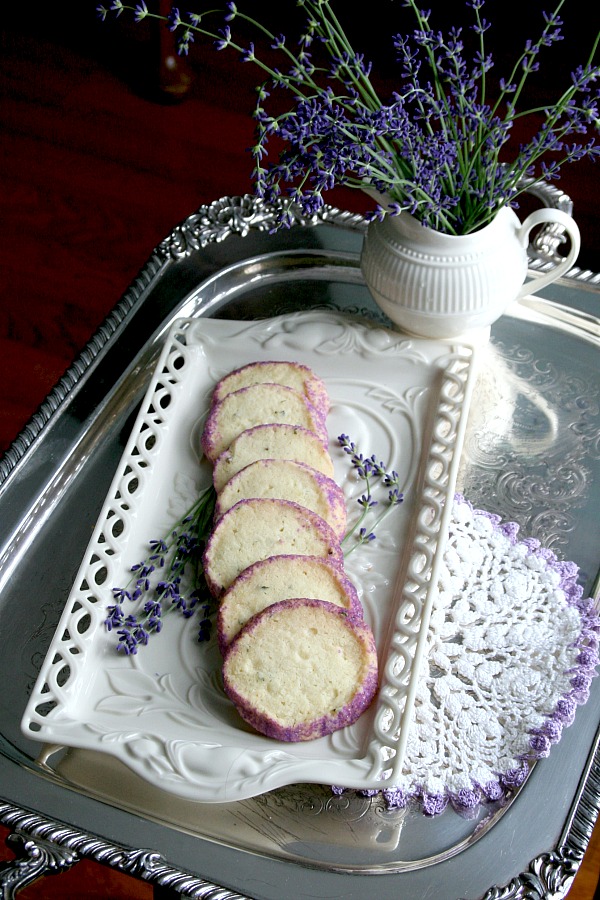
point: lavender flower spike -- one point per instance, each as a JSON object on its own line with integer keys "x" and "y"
{"x": 169, "y": 579}
{"x": 436, "y": 147}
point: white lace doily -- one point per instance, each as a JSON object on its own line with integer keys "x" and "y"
{"x": 512, "y": 650}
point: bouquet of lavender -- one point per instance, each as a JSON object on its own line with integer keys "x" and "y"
{"x": 434, "y": 148}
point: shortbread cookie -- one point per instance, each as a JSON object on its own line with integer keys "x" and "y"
{"x": 291, "y": 374}
{"x": 283, "y": 578}
{"x": 255, "y": 529}
{"x": 258, "y": 404}
{"x": 285, "y": 479}
{"x": 272, "y": 442}
{"x": 301, "y": 669}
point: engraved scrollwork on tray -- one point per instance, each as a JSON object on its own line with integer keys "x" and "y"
{"x": 300, "y": 803}
{"x": 50, "y": 846}
{"x": 35, "y": 857}
{"x": 549, "y": 875}
{"x": 238, "y": 215}
{"x": 533, "y": 429}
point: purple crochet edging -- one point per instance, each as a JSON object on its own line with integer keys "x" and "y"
{"x": 467, "y": 800}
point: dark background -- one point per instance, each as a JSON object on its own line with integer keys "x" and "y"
{"x": 98, "y": 162}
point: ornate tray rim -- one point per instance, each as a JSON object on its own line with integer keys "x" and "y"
{"x": 214, "y": 223}
{"x": 50, "y": 844}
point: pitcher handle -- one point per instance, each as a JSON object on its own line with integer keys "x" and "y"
{"x": 544, "y": 217}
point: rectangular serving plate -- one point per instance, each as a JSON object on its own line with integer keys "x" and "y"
{"x": 162, "y": 713}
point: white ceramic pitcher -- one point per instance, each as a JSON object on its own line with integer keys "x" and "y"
{"x": 438, "y": 285}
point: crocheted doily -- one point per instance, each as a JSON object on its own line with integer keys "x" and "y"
{"x": 512, "y": 650}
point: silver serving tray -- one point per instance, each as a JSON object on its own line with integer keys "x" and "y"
{"x": 531, "y": 454}
{"x": 162, "y": 712}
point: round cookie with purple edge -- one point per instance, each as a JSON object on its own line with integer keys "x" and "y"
{"x": 258, "y": 404}
{"x": 301, "y": 669}
{"x": 286, "y": 479}
{"x": 283, "y": 578}
{"x": 255, "y": 529}
{"x": 291, "y": 374}
{"x": 272, "y": 441}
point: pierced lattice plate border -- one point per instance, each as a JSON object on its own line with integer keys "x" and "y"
{"x": 163, "y": 712}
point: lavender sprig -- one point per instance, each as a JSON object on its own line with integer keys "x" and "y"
{"x": 156, "y": 586}
{"x": 158, "y": 581}
{"x": 438, "y": 147}
{"x": 370, "y": 470}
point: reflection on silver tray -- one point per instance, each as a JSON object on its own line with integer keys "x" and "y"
{"x": 67, "y": 456}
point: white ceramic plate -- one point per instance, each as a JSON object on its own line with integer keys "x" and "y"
{"x": 163, "y": 712}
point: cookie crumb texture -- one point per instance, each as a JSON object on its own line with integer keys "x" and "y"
{"x": 255, "y": 405}
{"x": 301, "y": 669}
{"x": 258, "y": 528}
{"x": 286, "y": 479}
{"x": 290, "y": 374}
{"x": 272, "y": 441}
{"x": 283, "y": 578}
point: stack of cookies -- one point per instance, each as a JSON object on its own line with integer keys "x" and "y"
{"x": 299, "y": 661}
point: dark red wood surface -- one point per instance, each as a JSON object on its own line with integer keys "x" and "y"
{"x": 97, "y": 165}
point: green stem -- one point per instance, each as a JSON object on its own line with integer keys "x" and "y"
{"x": 525, "y": 67}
